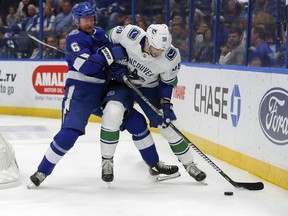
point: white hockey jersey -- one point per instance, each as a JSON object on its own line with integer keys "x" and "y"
{"x": 144, "y": 70}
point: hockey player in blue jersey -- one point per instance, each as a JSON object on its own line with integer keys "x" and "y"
{"x": 153, "y": 66}
{"x": 85, "y": 87}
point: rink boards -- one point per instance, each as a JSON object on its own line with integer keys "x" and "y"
{"x": 238, "y": 116}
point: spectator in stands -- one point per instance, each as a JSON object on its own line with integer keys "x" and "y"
{"x": 206, "y": 6}
{"x": 63, "y": 21}
{"x": 7, "y": 43}
{"x": 36, "y": 52}
{"x": 158, "y": 18}
{"x": 205, "y": 54}
{"x": 198, "y": 19}
{"x": 241, "y": 24}
{"x": 58, "y": 7}
{"x": 51, "y": 53}
{"x": 223, "y": 32}
{"x": 62, "y": 46}
{"x": 48, "y": 53}
{"x": 232, "y": 11}
{"x": 118, "y": 15}
{"x": 268, "y": 22}
{"x": 261, "y": 53}
{"x": 12, "y": 17}
{"x": 23, "y": 8}
{"x": 180, "y": 40}
{"x": 199, "y": 38}
{"x": 29, "y": 24}
{"x": 48, "y": 19}
{"x": 177, "y": 17}
{"x": 142, "y": 24}
{"x": 3, "y": 29}
{"x": 234, "y": 52}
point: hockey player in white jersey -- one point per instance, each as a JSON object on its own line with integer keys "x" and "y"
{"x": 153, "y": 66}
{"x": 85, "y": 88}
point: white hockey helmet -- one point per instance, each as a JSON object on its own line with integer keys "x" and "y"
{"x": 158, "y": 36}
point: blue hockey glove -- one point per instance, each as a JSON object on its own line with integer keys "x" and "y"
{"x": 114, "y": 53}
{"x": 168, "y": 113}
{"x": 117, "y": 71}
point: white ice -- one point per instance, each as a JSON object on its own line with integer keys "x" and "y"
{"x": 75, "y": 187}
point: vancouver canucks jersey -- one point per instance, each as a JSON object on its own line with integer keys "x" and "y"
{"x": 144, "y": 70}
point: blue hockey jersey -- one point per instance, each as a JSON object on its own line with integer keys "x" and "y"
{"x": 88, "y": 46}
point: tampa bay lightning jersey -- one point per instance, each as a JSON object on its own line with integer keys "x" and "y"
{"x": 144, "y": 70}
{"x": 86, "y": 45}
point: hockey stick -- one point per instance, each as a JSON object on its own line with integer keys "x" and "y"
{"x": 63, "y": 51}
{"x": 245, "y": 185}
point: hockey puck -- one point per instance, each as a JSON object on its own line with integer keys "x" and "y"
{"x": 228, "y": 193}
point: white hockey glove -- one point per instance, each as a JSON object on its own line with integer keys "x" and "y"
{"x": 114, "y": 54}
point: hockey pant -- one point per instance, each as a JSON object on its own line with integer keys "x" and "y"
{"x": 134, "y": 123}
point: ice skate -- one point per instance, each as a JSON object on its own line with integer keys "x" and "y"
{"x": 195, "y": 172}
{"x": 36, "y": 179}
{"x": 107, "y": 170}
{"x": 164, "y": 172}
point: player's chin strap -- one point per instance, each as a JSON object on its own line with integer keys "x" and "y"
{"x": 246, "y": 185}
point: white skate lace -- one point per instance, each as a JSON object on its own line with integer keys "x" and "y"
{"x": 164, "y": 166}
{"x": 193, "y": 169}
{"x": 40, "y": 176}
{"x": 107, "y": 166}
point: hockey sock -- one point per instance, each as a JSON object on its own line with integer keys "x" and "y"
{"x": 109, "y": 140}
{"x": 112, "y": 118}
{"x": 135, "y": 124}
{"x": 63, "y": 142}
{"x": 179, "y": 146}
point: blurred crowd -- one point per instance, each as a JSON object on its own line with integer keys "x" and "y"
{"x": 266, "y": 42}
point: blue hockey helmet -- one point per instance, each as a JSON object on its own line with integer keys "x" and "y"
{"x": 82, "y": 10}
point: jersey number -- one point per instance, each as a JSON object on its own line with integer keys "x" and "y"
{"x": 75, "y": 47}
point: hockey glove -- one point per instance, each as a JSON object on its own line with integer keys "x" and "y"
{"x": 117, "y": 71}
{"x": 114, "y": 54}
{"x": 168, "y": 113}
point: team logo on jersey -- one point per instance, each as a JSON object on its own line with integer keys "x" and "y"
{"x": 171, "y": 54}
{"x": 133, "y": 34}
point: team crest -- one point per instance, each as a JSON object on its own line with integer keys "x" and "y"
{"x": 133, "y": 34}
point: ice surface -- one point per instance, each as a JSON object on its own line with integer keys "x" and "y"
{"x": 75, "y": 187}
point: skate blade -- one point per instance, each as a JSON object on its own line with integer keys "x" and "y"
{"x": 108, "y": 185}
{"x": 163, "y": 177}
{"x": 31, "y": 186}
{"x": 204, "y": 182}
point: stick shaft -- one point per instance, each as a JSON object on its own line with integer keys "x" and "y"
{"x": 246, "y": 185}
{"x": 63, "y": 51}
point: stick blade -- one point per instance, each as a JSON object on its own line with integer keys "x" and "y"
{"x": 250, "y": 185}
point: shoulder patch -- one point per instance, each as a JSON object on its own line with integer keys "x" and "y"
{"x": 133, "y": 34}
{"x": 73, "y": 32}
{"x": 171, "y": 53}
